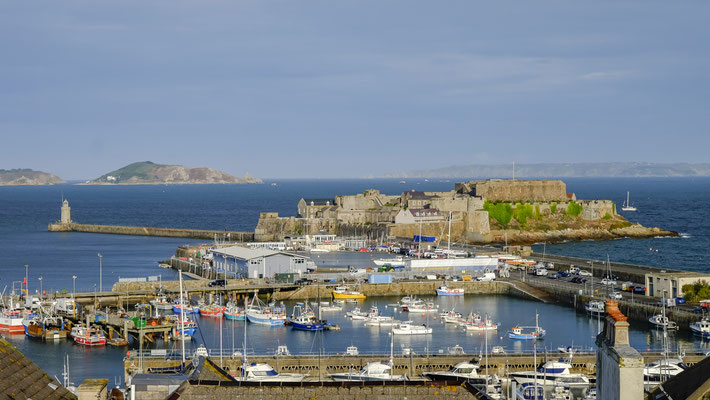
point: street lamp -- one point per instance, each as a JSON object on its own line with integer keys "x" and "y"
{"x": 73, "y": 293}
{"x": 591, "y": 279}
{"x": 40, "y": 288}
{"x": 101, "y": 287}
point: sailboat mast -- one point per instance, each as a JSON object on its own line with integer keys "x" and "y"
{"x": 182, "y": 320}
{"x": 244, "y": 346}
{"x": 449, "y": 245}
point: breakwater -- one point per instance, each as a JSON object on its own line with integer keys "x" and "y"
{"x": 153, "y": 231}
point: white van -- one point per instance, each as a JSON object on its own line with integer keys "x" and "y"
{"x": 487, "y": 277}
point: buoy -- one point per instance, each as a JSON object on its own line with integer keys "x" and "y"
{"x": 128, "y": 354}
{"x": 423, "y": 314}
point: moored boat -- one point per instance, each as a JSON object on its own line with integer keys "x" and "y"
{"x": 11, "y": 322}
{"x": 595, "y": 307}
{"x": 88, "y": 336}
{"x": 662, "y": 321}
{"x": 233, "y": 312}
{"x": 373, "y": 371}
{"x": 527, "y": 332}
{"x": 212, "y": 310}
{"x": 447, "y": 291}
{"x": 701, "y": 328}
{"x": 552, "y": 373}
{"x": 344, "y": 293}
{"x": 406, "y": 328}
{"x": 258, "y": 372}
{"x": 461, "y": 372}
{"x": 259, "y": 313}
{"x": 304, "y": 319}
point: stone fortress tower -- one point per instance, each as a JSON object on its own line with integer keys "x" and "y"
{"x": 66, "y": 213}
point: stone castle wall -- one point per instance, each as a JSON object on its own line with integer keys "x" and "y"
{"x": 515, "y": 190}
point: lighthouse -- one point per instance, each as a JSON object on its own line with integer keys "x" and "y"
{"x": 66, "y": 213}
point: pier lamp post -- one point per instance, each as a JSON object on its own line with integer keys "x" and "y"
{"x": 40, "y": 288}
{"x": 591, "y": 278}
{"x": 73, "y": 293}
{"x": 101, "y": 286}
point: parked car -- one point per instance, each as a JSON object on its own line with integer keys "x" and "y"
{"x": 584, "y": 272}
{"x": 679, "y": 300}
{"x": 607, "y": 281}
{"x": 555, "y": 275}
{"x": 578, "y": 279}
{"x": 640, "y": 289}
{"x": 563, "y": 274}
{"x": 615, "y": 295}
{"x": 218, "y": 282}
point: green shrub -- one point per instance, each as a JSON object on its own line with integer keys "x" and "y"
{"x": 522, "y": 212}
{"x": 553, "y": 208}
{"x": 574, "y": 209}
{"x": 614, "y": 207}
{"x": 501, "y": 212}
{"x": 606, "y": 216}
{"x": 697, "y": 291}
{"x": 538, "y": 215}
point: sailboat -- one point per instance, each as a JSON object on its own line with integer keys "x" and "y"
{"x": 627, "y": 206}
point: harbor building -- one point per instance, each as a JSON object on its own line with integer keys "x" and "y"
{"x": 243, "y": 262}
{"x": 670, "y": 284}
{"x": 619, "y": 366}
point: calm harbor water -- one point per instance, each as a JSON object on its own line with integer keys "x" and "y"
{"x": 675, "y": 204}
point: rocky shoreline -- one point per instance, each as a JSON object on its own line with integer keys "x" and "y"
{"x": 522, "y": 237}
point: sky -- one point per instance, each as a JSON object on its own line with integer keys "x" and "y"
{"x": 347, "y": 89}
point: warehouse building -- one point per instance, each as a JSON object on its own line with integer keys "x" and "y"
{"x": 243, "y": 262}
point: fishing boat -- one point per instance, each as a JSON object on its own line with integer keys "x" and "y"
{"x": 304, "y": 319}
{"x": 421, "y": 307}
{"x": 661, "y": 320}
{"x": 47, "y": 328}
{"x": 380, "y": 320}
{"x": 88, "y": 336}
{"x": 259, "y": 313}
{"x": 486, "y": 324}
{"x": 444, "y": 290}
{"x": 461, "y": 372}
{"x": 530, "y": 391}
{"x": 595, "y": 307}
{"x": 344, "y": 293}
{"x": 701, "y": 328}
{"x": 356, "y": 314}
{"x": 178, "y": 306}
{"x": 232, "y": 312}
{"x": 352, "y": 351}
{"x": 451, "y": 317}
{"x": 626, "y": 206}
{"x": 11, "y": 322}
{"x": 527, "y": 332}
{"x": 406, "y": 328}
{"x": 161, "y": 303}
{"x": 189, "y": 326}
{"x": 212, "y": 310}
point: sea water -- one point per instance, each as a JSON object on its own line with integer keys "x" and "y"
{"x": 676, "y": 204}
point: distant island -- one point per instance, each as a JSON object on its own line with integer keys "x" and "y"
{"x": 149, "y": 173}
{"x": 27, "y": 177}
{"x": 561, "y": 170}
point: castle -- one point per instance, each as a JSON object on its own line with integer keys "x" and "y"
{"x": 412, "y": 212}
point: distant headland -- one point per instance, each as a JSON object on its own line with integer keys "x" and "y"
{"x": 562, "y": 170}
{"x": 27, "y": 177}
{"x": 149, "y": 173}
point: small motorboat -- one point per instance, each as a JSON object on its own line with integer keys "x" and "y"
{"x": 407, "y": 328}
{"x": 451, "y": 317}
{"x": 595, "y": 307}
{"x": 234, "y": 313}
{"x": 662, "y": 321}
{"x": 352, "y": 351}
{"x": 561, "y": 392}
{"x": 661, "y": 370}
{"x": 88, "y": 336}
{"x": 161, "y": 303}
{"x": 212, "y": 310}
{"x": 344, "y": 293}
{"x": 530, "y": 391}
{"x": 257, "y": 372}
{"x": 282, "y": 350}
{"x": 527, "y": 332}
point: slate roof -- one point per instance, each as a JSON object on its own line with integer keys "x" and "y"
{"x": 20, "y": 378}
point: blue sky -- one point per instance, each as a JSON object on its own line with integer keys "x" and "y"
{"x": 304, "y": 89}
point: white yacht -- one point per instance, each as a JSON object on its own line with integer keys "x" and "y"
{"x": 352, "y": 351}
{"x": 661, "y": 370}
{"x": 406, "y": 328}
{"x": 257, "y": 372}
{"x": 461, "y": 372}
{"x": 590, "y": 394}
{"x": 626, "y": 206}
{"x": 561, "y": 392}
{"x": 552, "y": 373}
{"x": 530, "y": 391}
{"x": 396, "y": 262}
{"x": 374, "y": 371}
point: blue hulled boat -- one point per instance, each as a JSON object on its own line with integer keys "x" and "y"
{"x": 304, "y": 319}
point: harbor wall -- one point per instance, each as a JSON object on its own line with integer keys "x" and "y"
{"x": 152, "y": 231}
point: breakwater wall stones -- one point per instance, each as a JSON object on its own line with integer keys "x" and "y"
{"x": 152, "y": 231}
{"x": 405, "y": 288}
